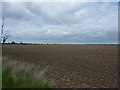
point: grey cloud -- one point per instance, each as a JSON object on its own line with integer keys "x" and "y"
{"x": 62, "y": 22}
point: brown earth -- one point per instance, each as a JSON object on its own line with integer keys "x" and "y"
{"x": 68, "y": 66}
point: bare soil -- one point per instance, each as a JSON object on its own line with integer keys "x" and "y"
{"x": 69, "y": 66}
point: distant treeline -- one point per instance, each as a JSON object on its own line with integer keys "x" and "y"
{"x": 25, "y": 43}
{"x": 53, "y": 43}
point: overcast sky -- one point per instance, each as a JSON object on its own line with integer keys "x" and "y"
{"x": 89, "y": 22}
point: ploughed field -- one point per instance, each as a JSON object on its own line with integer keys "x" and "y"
{"x": 67, "y": 66}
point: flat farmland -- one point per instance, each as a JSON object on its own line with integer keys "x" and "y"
{"x": 68, "y": 66}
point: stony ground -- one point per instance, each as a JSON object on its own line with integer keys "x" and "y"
{"x": 68, "y": 66}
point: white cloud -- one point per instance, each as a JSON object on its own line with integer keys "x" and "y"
{"x": 75, "y": 22}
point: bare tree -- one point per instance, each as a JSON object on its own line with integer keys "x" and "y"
{"x": 3, "y": 35}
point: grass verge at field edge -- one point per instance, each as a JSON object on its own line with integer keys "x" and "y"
{"x": 13, "y": 78}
